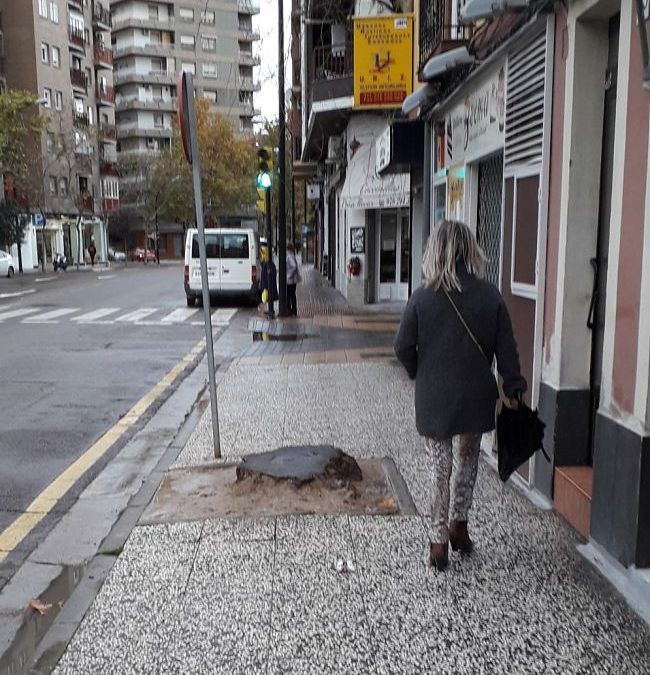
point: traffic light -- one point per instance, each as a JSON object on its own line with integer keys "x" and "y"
{"x": 265, "y": 168}
{"x": 261, "y": 200}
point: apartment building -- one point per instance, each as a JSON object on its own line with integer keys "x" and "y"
{"x": 61, "y": 51}
{"x": 153, "y": 40}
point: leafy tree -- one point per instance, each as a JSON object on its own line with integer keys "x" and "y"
{"x": 20, "y": 127}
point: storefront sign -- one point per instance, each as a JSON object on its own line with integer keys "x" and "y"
{"x": 382, "y": 151}
{"x": 477, "y": 126}
{"x": 383, "y": 60}
{"x": 364, "y": 188}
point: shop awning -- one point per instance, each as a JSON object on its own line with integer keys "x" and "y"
{"x": 442, "y": 63}
{"x": 419, "y": 97}
{"x": 484, "y": 9}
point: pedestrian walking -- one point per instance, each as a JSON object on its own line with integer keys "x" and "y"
{"x": 446, "y": 325}
{"x": 92, "y": 252}
{"x": 293, "y": 278}
{"x": 269, "y": 279}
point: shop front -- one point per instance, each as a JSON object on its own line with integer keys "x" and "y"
{"x": 373, "y": 229}
{"x": 490, "y": 157}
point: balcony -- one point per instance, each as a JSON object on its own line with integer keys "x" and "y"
{"x": 437, "y": 33}
{"x": 150, "y": 49}
{"x": 103, "y": 57}
{"x": 108, "y": 132}
{"x": 162, "y": 23}
{"x": 110, "y": 204}
{"x": 76, "y": 4}
{"x": 136, "y": 103}
{"x": 101, "y": 16}
{"x": 126, "y": 75}
{"x": 248, "y": 84}
{"x": 248, "y": 35}
{"x": 106, "y": 95}
{"x": 108, "y": 167}
{"x": 248, "y": 6}
{"x": 79, "y": 79}
{"x": 76, "y": 38}
{"x": 87, "y": 204}
{"x": 247, "y": 59}
{"x": 80, "y": 119}
{"x": 331, "y": 71}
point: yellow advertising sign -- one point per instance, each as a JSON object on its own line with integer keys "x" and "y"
{"x": 383, "y": 60}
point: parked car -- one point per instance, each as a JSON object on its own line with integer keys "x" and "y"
{"x": 116, "y": 256}
{"x": 6, "y": 265}
{"x": 138, "y": 255}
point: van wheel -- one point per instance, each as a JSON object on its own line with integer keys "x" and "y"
{"x": 190, "y": 301}
{"x": 10, "y": 272}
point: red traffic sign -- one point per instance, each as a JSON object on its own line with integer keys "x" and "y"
{"x": 185, "y": 85}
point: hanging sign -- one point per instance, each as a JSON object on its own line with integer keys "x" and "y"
{"x": 476, "y": 127}
{"x": 383, "y": 60}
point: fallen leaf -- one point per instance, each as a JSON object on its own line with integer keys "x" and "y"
{"x": 39, "y": 606}
{"x": 387, "y": 503}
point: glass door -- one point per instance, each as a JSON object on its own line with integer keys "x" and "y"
{"x": 394, "y": 255}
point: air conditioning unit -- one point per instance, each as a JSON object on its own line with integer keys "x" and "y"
{"x": 336, "y": 149}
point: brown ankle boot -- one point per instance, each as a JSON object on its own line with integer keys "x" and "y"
{"x": 459, "y": 537}
{"x": 439, "y": 556}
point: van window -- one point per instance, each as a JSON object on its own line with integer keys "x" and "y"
{"x": 211, "y": 246}
{"x": 234, "y": 246}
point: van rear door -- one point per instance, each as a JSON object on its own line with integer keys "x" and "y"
{"x": 236, "y": 250}
{"x": 212, "y": 245}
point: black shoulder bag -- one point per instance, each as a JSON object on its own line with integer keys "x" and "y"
{"x": 520, "y": 432}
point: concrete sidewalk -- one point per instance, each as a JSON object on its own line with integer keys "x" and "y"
{"x": 263, "y": 596}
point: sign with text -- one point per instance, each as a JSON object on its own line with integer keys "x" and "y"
{"x": 476, "y": 127}
{"x": 383, "y": 60}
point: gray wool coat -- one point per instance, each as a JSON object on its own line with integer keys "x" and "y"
{"x": 455, "y": 389}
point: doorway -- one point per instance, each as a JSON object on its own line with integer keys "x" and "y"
{"x": 393, "y": 246}
{"x": 596, "y": 318}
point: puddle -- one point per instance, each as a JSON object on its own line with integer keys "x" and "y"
{"x": 259, "y": 336}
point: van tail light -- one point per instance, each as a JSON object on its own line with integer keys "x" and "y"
{"x": 254, "y": 274}
{"x": 186, "y": 274}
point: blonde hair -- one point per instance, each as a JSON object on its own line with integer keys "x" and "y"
{"x": 450, "y": 244}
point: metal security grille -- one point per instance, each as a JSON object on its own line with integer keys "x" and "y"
{"x": 525, "y": 103}
{"x": 488, "y": 228}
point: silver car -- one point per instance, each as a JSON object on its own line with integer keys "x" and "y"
{"x": 116, "y": 256}
{"x": 6, "y": 265}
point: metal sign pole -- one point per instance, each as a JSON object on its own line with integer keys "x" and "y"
{"x": 188, "y": 127}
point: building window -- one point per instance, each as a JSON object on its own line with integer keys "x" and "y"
{"x": 210, "y": 95}
{"x": 63, "y": 187}
{"x": 47, "y": 97}
{"x": 49, "y": 142}
{"x": 209, "y": 43}
{"x": 158, "y": 120}
{"x": 157, "y": 66}
{"x": 45, "y": 52}
{"x": 189, "y": 68}
{"x": 187, "y": 41}
{"x": 90, "y": 115}
{"x": 58, "y": 100}
{"x": 56, "y": 57}
{"x": 207, "y": 17}
{"x": 153, "y": 13}
{"x": 53, "y": 185}
{"x": 186, "y": 14}
{"x": 155, "y": 37}
{"x": 209, "y": 70}
{"x": 42, "y": 8}
{"x": 54, "y": 12}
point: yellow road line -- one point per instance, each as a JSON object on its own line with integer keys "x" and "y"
{"x": 53, "y": 493}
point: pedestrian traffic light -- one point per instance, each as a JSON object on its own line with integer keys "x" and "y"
{"x": 265, "y": 168}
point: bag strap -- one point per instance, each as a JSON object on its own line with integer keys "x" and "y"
{"x": 467, "y": 328}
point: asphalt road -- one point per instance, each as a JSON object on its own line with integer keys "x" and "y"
{"x": 77, "y": 350}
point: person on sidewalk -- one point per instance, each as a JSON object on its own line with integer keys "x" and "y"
{"x": 268, "y": 279}
{"x": 293, "y": 278}
{"x": 92, "y": 252}
{"x": 446, "y": 324}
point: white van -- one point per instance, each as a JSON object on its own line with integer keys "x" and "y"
{"x": 232, "y": 256}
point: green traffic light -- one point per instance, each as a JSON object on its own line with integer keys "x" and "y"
{"x": 263, "y": 180}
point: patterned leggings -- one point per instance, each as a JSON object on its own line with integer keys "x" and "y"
{"x": 462, "y": 452}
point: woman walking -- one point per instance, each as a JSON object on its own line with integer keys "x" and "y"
{"x": 293, "y": 278}
{"x": 452, "y": 328}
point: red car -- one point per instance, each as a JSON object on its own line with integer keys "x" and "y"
{"x": 138, "y": 255}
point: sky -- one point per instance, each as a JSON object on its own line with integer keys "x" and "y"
{"x": 267, "y": 24}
